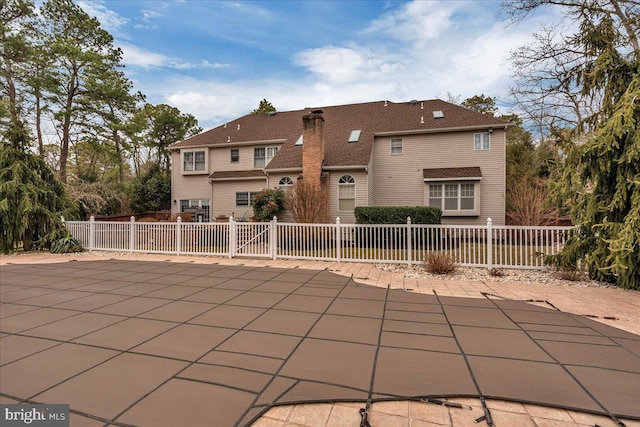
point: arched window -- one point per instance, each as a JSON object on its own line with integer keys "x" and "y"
{"x": 346, "y": 193}
{"x": 285, "y": 182}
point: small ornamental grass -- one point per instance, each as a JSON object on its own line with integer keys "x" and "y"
{"x": 66, "y": 244}
{"x": 439, "y": 263}
{"x": 497, "y": 272}
{"x": 569, "y": 273}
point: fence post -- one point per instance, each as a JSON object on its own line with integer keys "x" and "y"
{"x": 338, "y": 239}
{"x": 489, "y": 243}
{"x": 178, "y": 235}
{"x": 409, "y": 241}
{"x": 273, "y": 237}
{"x": 232, "y": 237}
{"x": 92, "y": 232}
{"x": 132, "y": 233}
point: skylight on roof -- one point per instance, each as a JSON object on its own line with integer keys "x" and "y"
{"x": 355, "y": 136}
{"x": 438, "y": 114}
{"x": 299, "y": 141}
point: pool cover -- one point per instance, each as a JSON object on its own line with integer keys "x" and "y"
{"x": 166, "y": 344}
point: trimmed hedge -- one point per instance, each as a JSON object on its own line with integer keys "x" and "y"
{"x": 397, "y": 215}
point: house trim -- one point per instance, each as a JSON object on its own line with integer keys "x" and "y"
{"x": 247, "y": 175}
{"x": 441, "y": 130}
{"x": 344, "y": 168}
{"x": 232, "y": 144}
{"x": 282, "y": 170}
{"x": 245, "y": 178}
{"x": 475, "y": 178}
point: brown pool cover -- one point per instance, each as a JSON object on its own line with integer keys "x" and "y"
{"x": 160, "y": 343}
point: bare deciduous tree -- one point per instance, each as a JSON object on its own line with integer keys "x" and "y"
{"x": 307, "y": 202}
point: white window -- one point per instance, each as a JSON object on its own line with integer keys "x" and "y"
{"x": 285, "y": 182}
{"x": 258, "y": 158}
{"x": 346, "y": 193}
{"x": 435, "y": 195}
{"x": 467, "y": 197}
{"x": 453, "y": 197}
{"x": 396, "y": 146}
{"x": 193, "y": 161}
{"x": 263, "y": 155}
{"x": 235, "y": 155}
{"x": 481, "y": 141}
{"x": 198, "y": 208}
{"x": 245, "y": 198}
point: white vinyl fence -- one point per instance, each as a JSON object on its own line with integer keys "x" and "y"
{"x": 470, "y": 245}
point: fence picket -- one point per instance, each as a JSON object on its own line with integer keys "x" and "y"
{"x": 474, "y": 246}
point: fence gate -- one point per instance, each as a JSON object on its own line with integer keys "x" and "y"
{"x": 251, "y": 239}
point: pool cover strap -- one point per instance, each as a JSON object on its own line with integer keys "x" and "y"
{"x": 364, "y": 414}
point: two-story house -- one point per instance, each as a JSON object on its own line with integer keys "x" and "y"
{"x": 429, "y": 153}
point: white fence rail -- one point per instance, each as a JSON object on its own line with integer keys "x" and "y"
{"x": 470, "y": 245}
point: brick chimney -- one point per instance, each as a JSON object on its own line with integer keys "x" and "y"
{"x": 312, "y": 146}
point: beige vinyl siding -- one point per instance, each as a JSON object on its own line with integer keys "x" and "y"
{"x": 224, "y": 197}
{"x": 362, "y": 188}
{"x": 220, "y": 157}
{"x": 398, "y": 180}
{"x": 274, "y": 179}
{"x": 371, "y": 199}
{"x": 186, "y": 186}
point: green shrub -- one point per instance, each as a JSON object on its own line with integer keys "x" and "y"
{"x": 268, "y": 203}
{"x": 150, "y": 192}
{"x": 397, "y": 214}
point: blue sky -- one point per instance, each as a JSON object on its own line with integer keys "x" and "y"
{"x": 218, "y": 59}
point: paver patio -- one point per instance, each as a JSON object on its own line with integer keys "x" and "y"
{"x": 126, "y": 341}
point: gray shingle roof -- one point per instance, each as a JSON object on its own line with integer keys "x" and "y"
{"x": 340, "y": 120}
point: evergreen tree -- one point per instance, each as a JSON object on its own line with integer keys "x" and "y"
{"x": 264, "y": 107}
{"x": 597, "y": 67}
{"x": 163, "y": 126}
{"x": 150, "y": 192}
{"x": 32, "y": 200}
{"x": 80, "y": 52}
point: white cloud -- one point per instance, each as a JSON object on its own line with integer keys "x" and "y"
{"x": 147, "y": 18}
{"x": 423, "y": 50}
{"x": 149, "y": 14}
{"x": 346, "y": 64}
{"x": 109, "y": 19}
{"x": 135, "y": 56}
{"x": 215, "y": 102}
{"x": 416, "y": 21}
{"x": 251, "y": 9}
{"x": 437, "y": 48}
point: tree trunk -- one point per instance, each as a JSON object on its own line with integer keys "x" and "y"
{"x": 116, "y": 140}
{"x": 27, "y": 238}
{"x": 66, "y": 130}
{"x": 39, "y": 125}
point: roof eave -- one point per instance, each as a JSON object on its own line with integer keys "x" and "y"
{"x": 242, "y": 178}
{"x": 283, "y": 170}
{"x": 461, "y": 178}
{"x": 443, "y": 130}
{"x": 339, "y": 168}
{"x": 229, "y": 144}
